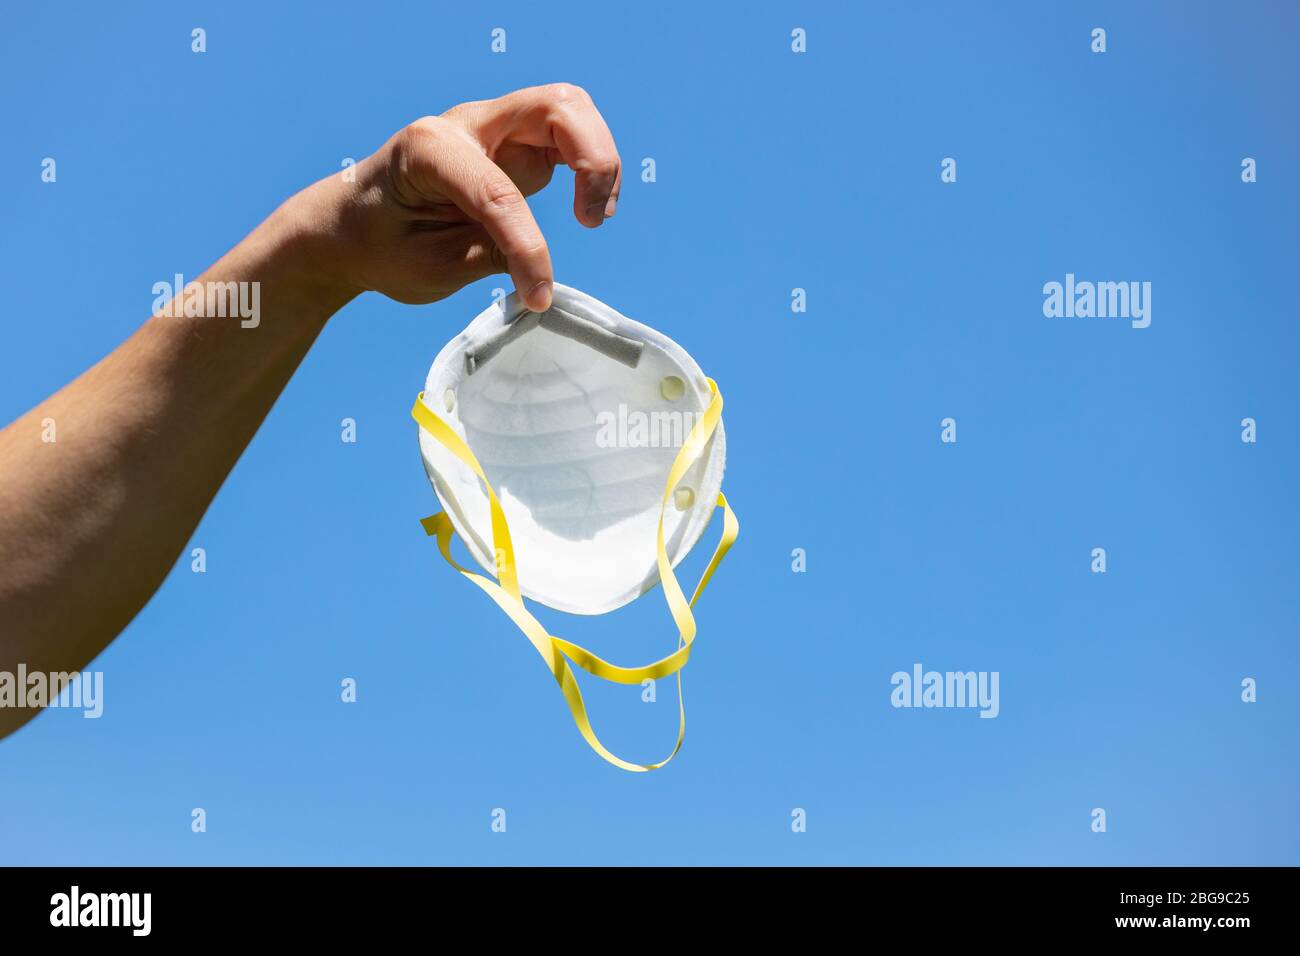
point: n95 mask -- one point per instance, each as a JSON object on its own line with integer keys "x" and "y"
{"x": 578, "y": 454}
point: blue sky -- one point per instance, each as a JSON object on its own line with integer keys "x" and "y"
{"x": 774, "y": 171}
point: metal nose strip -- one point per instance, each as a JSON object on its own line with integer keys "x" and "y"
{"x": 620, "y": 348}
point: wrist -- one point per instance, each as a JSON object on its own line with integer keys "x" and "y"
{"x": 306, "y": 245}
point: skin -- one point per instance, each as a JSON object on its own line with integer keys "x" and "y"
{"x": 92, "y": 523}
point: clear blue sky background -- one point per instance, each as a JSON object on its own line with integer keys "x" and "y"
{"x": 775, "y": 171}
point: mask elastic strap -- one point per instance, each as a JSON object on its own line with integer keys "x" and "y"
{"x": 554, "y": 649}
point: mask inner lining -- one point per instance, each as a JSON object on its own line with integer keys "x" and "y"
{"x": 577, "y": 444}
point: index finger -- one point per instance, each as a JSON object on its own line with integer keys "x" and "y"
{"x": 444, "y": 159}
{"x": 563, "y": 117}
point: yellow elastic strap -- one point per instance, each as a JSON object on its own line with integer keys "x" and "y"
{"x": 507, "y": 597}
{"x": 505, "y": 553}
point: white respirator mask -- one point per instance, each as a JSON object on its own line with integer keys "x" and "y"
{"x": 579, "y": 456}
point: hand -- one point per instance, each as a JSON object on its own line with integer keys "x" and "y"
{"x": 442, "y": 203}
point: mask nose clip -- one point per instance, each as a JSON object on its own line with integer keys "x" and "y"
{"x": 620, "y": 348}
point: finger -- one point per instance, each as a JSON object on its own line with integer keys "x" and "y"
{"x": 442, "y": 157}
{"x": 472, "y": 254}
{"x": 530, "y": 169}
{"x": 612, "y": 205}
{"x": 563, "y": 117}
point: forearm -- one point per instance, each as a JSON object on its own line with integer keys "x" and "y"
{"x": 91, "y": 522}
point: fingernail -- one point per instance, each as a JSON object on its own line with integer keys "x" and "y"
{"x": 609, "y": 207}
{"x": 538, "y": 298}
{"x": 598, "y": 212}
